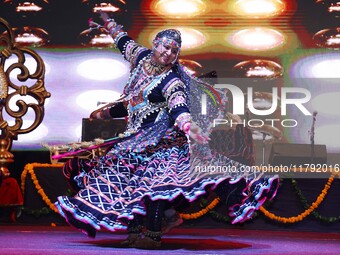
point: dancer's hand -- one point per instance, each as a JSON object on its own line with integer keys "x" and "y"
{"x": 186, "y": 128}
{"x": 195, "y": 132}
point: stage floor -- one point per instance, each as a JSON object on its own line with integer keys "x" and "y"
{"x": 60, "y": 240}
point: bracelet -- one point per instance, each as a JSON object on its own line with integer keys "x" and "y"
{"x": 182, "y": 119}
{"x": 109, "y": 25}
{"x": 119, "y": 36}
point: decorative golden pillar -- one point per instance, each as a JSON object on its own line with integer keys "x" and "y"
{"x": 15, "y": 88}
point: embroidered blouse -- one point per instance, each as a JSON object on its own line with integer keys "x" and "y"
{"x": 150, "y": 90}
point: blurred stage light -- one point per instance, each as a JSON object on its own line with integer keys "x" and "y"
{"x": 323, "y": 65}
{"x": 88, "y": 100}
{"x": 192, "y": 67}
{"x": 331, "y": 6}
{"x": 328, "y": 38}
{"x": 258, "y": 8}
{"x": 102, "y": 69}
{"x": 191, "y": 38}
{"x": 178, "y": 8}
{"x": 257, "y": 39}
{"x": 334, "y": 7}
{"x": 106, "y": 6}
{"x": 98, "y": 38}
{"x": 102, "y": 39}
{"x": 30, "y": 36}
{"x": 326, "y": 69}
{"x": 327, "y": 103}
{"x": 28, "y": 7}
{"x": 258, "y": 68}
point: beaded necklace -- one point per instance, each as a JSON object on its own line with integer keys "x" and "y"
{"x": 152, "y": 68}
{"x": 143, "y": 75}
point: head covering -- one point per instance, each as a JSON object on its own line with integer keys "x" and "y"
{"x": 170, "y": 36}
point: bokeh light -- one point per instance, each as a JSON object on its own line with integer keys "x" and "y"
{"x": 326, "y": 69}
{"x": 258, "y": 68}
{"x": 105, "y": 7}
{"x": 328, "y": 38}
{"x": 31, "y": 36}
{"x": 256, "y": 39}
{"x": 90, "y": 100}
{"x": 98, "y": 38}
{"x": 28, "y": 7}
{"x": 102, "y": 69}
{"x": 179, "y": 8}
{"x": 323, "y": 65}
{"x": 258, "y": 8}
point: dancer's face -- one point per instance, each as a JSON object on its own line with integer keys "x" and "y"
{"x": 164, "y": 53}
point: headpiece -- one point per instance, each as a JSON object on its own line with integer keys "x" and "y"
{"x": 170, "y": 36}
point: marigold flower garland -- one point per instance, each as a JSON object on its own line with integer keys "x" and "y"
{"x": 200, "y": 213}
{"x": 29, "y": 168}
{"x": 304, "y": 214}
{"x": 306, "y": 205}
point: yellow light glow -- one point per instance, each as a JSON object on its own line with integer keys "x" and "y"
{"x": 258, "y": 8}
{"x": 179, "y": 8}
{"x": 191, "y": 38}
{"x": 257, "y": 39}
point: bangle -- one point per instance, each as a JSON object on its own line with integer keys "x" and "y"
{"x": 110, "y": 25}
{"x": 118, "y": 37}
{"x": 182, "y": 119}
